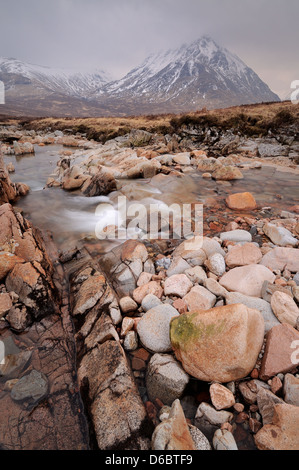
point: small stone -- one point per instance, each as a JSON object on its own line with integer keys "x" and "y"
{"x": 236, "y": 236}
{"x": 208, "y": 420}
{"x": 150, "y": 301}
{"x": 224, "y": 440}
{"x": 131, "y": 341}
{"x": 243, "y": 255}
{"x": 165, "y": 379}
{"x": 279, "y": 235}
{"x": 5, "y": 304}
{"x": 213, "y": 286}
{"x": 19, "y": 318}
{"x": 276, "y": 385}
{"x": 241, "y": 201}
{"x": 284, "y": 308}
{"x": 196, "y": 275}
{"x": 221, "y": 397}
{"x": 239, "y": 407}
{"x": 33, "y": 387}
{"x": 164, "y": 413}
{"x": 127, "y": 325}
{"x": 216, "y": 264}
{"x": 153, "y": 328}
{"x": 144, "y": 278}
{"x": 178, "y": 266}
{"x": 173, "y": 433}
{"x": 181, "y": 306}
{"x": 247, "y": 280}
{"x": 152, "y": 287}
{"x": 199, "y": 439}
{"x": 249, "y": 390}
{"x": 227, "y": 173}
{"x": 178, "y": 285}
{"x": 199, "y": 298}
{"x": 254, "y": 425}
{"x": 127, "y": 305}
{"x": 266, "y": 401}
{"x": 282, "y": 258}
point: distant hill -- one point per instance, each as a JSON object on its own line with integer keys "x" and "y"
{"x": 194, "y": 76}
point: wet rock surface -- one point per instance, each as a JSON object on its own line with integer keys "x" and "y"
{"x": 151, "y": 323}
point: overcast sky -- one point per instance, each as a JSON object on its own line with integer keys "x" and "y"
{"x": 116, "y": 35}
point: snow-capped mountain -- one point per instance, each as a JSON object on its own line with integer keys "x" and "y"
{"x": 194, "y": 76}
{"x": 69, "y": 81}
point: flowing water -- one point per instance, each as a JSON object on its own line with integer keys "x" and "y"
{"x": 72, "y": 217}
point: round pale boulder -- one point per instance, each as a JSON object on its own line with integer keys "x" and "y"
{"x": 241, "y": 201}
{"x": 284, "y": 308}
{"x": 247, "y": 280}
{"x": 218, "y": 345}
{"x": 153, "y": 328}
{"x": 282, "y": 258}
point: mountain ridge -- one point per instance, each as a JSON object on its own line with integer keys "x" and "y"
{"x": 193, "y": 76}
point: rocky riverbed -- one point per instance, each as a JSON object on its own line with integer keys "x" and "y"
{"x": 149, "y": 344}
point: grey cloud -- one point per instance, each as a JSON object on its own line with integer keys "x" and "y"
{"x": 116, "y": 35}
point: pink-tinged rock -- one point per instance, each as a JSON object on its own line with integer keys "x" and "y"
{"x": 243, "y": 255}
{"x": 241, "y": 201}
{"x": 180, "y": 305}
{"x": 133, "y": 250}
{"x": 227, "y": 173}
{"x": 173, "y": 433}
{"x": 284, "y": 308}
{"x": 152, "y": 287}
{"x": 5, "y": 304}
{"x": 7, "y": 263}
{"x": 199, "y": 298}
{"x": 247, "y": 280}
{"x": 144, "y": 278}
{"x": 280, "y": 235}
{"x": 222, "y": 398}
{"x": 178, "y": 285}
{"x": 282, "y": 258}
{"x": 218, "y": 345}
{"x": 127, "y": 325}
{"x": 282, "y": 434}
{"x": 17, "y": 236}
{"x": 279, "y": 355}
{"x": 127, "y": 304}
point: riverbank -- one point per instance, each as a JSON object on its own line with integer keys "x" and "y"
{"x": 150, "y": 343}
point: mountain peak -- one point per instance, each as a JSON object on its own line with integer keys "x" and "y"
{"x": 197, "y": 75}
